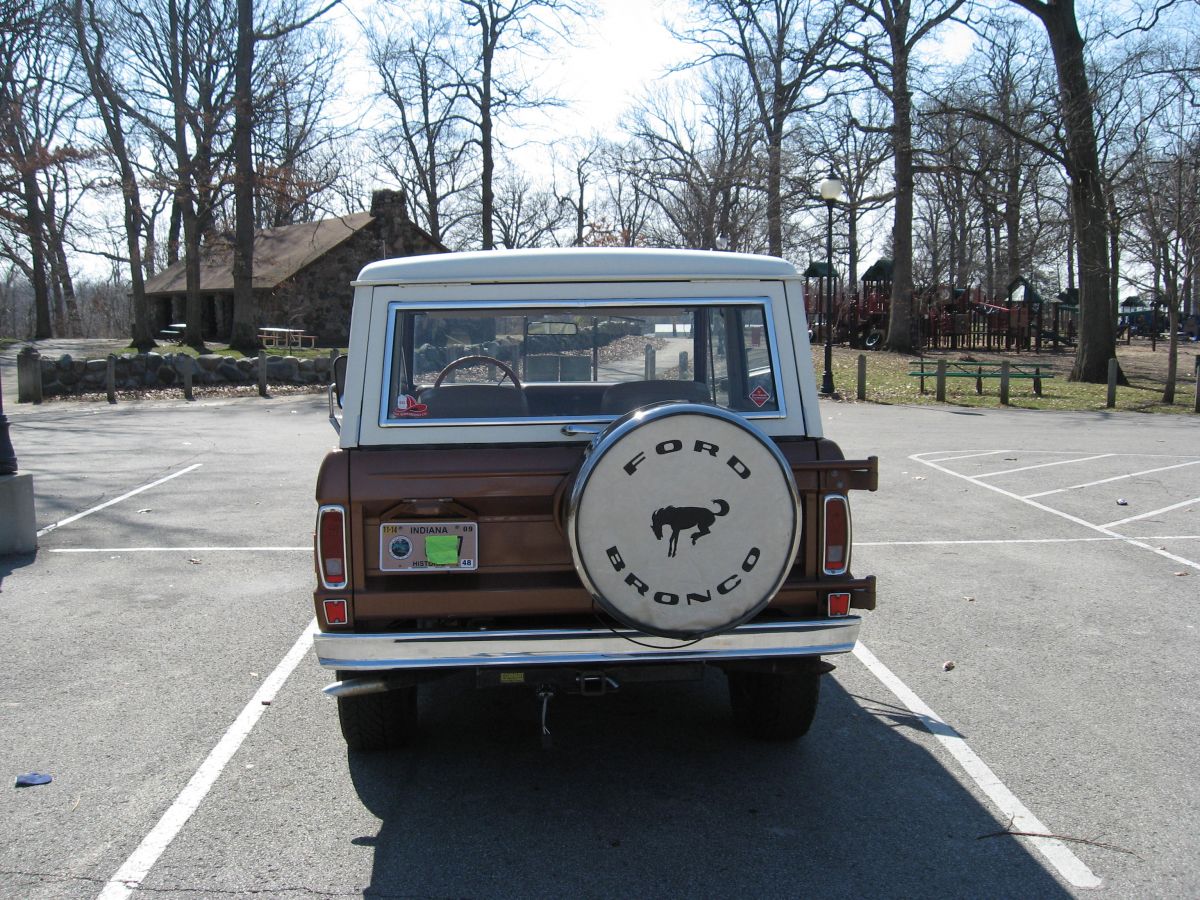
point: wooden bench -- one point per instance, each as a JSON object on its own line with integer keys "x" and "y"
{"x": 1035, "y": 372}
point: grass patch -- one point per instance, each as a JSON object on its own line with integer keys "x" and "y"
{"x": 5, "y": 343}
{"x": 888, "y": 380}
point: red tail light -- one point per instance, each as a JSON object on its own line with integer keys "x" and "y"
{"x": 839, "y": 604}
{"x": 331, "y": 546}
{"x": 335, "y": 611}
{"x": 837, "y": 535}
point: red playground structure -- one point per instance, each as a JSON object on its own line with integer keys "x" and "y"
{"x": 946, "y": 318}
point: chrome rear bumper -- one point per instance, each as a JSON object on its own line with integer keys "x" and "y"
{"x": 575, "y": 646}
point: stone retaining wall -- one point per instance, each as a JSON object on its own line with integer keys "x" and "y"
{"x": 65, "y": 375}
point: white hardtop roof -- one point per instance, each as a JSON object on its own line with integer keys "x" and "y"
{"x": 575, "y": 264}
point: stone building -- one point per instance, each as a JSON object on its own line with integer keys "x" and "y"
{"x": 302, "y": 273}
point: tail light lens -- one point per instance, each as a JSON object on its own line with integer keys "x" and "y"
{"x": 836, "y": 554}
{"x": 335, "y": 612}
{"x": 331, "y": 547}
{"x": 839, "y": 604}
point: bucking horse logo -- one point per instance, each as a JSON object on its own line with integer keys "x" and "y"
{"x": 681, "y": 518}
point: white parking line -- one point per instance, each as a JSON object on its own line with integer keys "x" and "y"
{"x": 1060, "y": 462}
{"x": 1136, "y": 542}
{"x": 134, "y": 870}
{"x": 1088, "y": 484}
{"x": 177, "y": 549}
{"x": 87, "y": 512}
{"x": 1164, "y": 537}
{"x": 1012, "y": 812}
{"x": 1154, "y": 512}
{"x": 970, "y": 455}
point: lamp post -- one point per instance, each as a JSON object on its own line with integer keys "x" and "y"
{"x": 831, "y": 191}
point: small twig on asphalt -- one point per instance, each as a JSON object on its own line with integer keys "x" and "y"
{"x": 1008, "y": 832}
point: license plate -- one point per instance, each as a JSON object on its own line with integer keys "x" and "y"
{"x": 428, "y": 546}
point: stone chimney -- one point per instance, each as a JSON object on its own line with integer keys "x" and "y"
{"x": 391, "y": 215}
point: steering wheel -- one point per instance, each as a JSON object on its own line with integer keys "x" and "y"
{"x": 475, "y": 360}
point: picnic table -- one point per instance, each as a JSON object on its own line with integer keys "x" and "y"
{"x": 943, "y": 368}
{"x": 271, "y": 336}
{"x": 174, "y": 332}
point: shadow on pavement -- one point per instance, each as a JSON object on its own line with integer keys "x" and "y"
{"x": 652, "y": 793}
{"x": 11, "y": 562}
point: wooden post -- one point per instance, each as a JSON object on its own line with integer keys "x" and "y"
{"x": 110, "y": 378}
{"x": 1112, "y": 383}
{"x": 1037, "y": 381}
{"x": 1004, "y": 383}
{"x": 651, "y": 366}
{"x": 683, "y": 365}
{"x": 186, "y": 364}
{"x": 862, "y": 377}
{"x": 262, "y": 373}
{"x": 978, "y": 381}
{"x": 941, "y": 381}
{"x": 1196, "y": 408}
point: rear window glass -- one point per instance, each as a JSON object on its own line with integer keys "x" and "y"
{"x": 497, "y": 363}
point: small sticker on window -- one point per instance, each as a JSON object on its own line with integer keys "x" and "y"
{"x": 407, "y": 407}
{"x": 760, "y": 396}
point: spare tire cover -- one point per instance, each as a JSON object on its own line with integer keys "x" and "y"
{"x": 683, "y": 520}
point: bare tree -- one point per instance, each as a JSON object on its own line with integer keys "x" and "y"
{"x": 624, "y": 208}
{"x": 177, "y": 83}
{"x": 494, "y": 87}
{"x": 849, "y": 140}
{"x": 786, "y": 48}
{"x": 885, "y": 40}
{"x": 527, "y": 216}
{"x": 1097, "y": 328}
{"x": 428, "y": 148}
{"x": 586, "y": 155}
{"x": 699, "y": 166}
{"x": 290, "y": 19}
{"x": 93, "y": 26}
{"x": 36, "y": 118}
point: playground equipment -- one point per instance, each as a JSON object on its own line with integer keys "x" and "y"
{"x": 945, "y": 317}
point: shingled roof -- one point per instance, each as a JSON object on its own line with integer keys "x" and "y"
{"x": 279, "y": 253}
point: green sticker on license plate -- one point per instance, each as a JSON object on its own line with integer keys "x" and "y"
{"x": 428, "y": 546}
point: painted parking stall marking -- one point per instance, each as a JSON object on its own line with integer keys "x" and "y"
{"x": 935, "y": 459}
{"x": 1088, "y": 484}
{"x": 115, "y": 500}
{"x": 1011, "y": 809}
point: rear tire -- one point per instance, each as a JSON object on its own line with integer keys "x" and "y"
{"x": 376, "y": 722}
{"x": 774, "y": 706}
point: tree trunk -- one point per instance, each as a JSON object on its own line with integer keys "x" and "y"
{"x": 774, "y": 194}
{"x": 193, "y": 316}
{"x": 488, "y": 162}
{"x": 89, "y": 43}
{"x": 34, "y": 225}
{"x": 900, "y": 331}
{"x": 244, "y": 332}
{"x": 1097, "y": 332}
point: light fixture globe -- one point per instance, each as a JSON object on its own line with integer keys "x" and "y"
{"x": 831, "y": 189}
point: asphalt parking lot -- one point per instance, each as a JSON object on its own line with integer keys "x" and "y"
{"x": 156, "y": 666}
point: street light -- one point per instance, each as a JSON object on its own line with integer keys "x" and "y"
{"x": 831, "y": 192}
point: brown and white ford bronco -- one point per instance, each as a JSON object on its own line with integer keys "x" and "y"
{"x": 574, "y": 470}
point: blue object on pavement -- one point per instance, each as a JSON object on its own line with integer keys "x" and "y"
{"x": 29, "y": 779}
